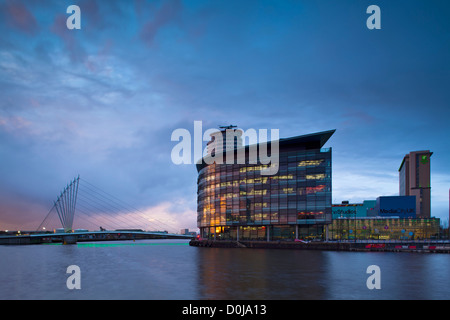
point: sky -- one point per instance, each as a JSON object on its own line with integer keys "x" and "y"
{"x": 102, "y": 101}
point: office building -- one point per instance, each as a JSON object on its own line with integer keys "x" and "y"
{"x": 414, "y": 180}
{"x": 396, "y": 206}
{"x": 236, "y": 201}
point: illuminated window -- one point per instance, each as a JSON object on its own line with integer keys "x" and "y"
{"x": 283, "y": 177}
{"x": 288, "y": 190}
{"x": 318, "y": 176}
{"x": 306, "y": 163}
{"x": 310, "y": 190}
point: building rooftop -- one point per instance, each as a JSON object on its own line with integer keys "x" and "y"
{"x": 311, "y": 141}
{"x": 407, "y": 156}
{"x": 304, "y": 142}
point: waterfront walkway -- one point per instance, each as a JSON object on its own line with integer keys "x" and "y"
{"x": 422, "y": 246}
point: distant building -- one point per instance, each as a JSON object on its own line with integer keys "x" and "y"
{"x": 396, "y": 206}
{"x": 187, "y": 232}
{"x": 414, "y": 180}
{"x": 352, "y": 210}
{"x": 384, "y": 228}
{"x": 391, "y": 217}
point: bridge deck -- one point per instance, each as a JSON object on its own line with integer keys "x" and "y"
{"x": 39, "y": 238}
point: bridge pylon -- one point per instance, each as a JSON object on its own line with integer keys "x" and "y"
{"x": 66, "y": 203}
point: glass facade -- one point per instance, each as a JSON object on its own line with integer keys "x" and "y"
{"x": 236, "y": 202}
{"x": 352, "y": 210}
{"x": 379, "y": 228}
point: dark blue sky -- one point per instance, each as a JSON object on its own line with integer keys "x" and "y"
{"x": 103, "y": 101}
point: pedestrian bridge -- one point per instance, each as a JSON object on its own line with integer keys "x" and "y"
{"x": 87, "y": 236}
{"x": 89, "y": 207}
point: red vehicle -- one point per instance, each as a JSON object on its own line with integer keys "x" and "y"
{"x": 375, "y": 245}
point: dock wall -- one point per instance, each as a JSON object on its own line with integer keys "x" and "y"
{"x": 328, "y": 246}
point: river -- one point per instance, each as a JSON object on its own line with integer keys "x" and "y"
{"x": 172, "y": 270}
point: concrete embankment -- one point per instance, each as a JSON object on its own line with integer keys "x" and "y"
{"x": 330, "y": 246}
{"x": 19, "y": 240}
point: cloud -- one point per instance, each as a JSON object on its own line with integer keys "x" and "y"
{"x": 165, "y": 14}
{"x": 72, "y": 46}
{"x": 21, "y": 210}
{"x": 164, "y": 216}
{"x": 176, "y": 214}
{"x": 19, "y": 17}
{"x": 14, "y": 124}
{"x": 103, "y": 101}
{"x": 440, "y": 195}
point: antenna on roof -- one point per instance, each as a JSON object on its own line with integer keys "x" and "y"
{"x": 228, "y": 127}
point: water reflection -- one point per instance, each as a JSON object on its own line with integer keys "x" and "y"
{"x": 403, "y": 275}
{"x": 301, "y": 275}
{"x": 158, "y": 271}
{"x": 259, "y": 274}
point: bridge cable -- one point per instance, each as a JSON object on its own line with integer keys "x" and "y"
{"x": 119, "y": 208}
{"x": 100, "y": 209}
{"x": 135, "y": 210}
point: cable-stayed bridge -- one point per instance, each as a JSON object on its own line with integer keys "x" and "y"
{"x": 81, "y": 207}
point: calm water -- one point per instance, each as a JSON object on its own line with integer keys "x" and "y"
{"x": 170, "y": 269}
